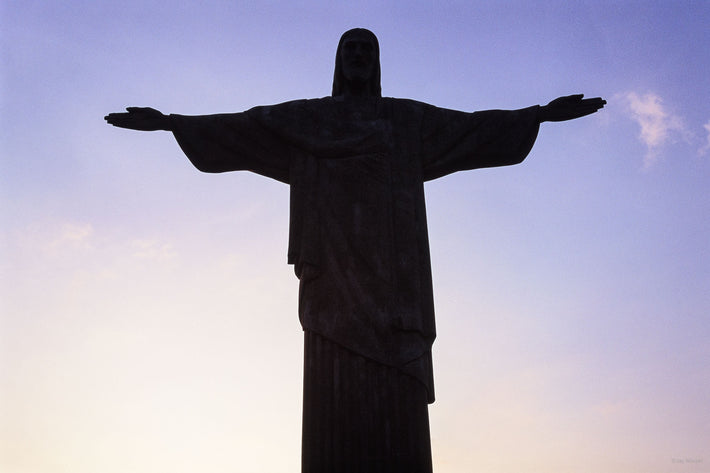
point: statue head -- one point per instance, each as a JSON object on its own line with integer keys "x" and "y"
{"x": 357, "y": 63}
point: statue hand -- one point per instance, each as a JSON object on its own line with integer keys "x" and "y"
{"x": 139, "y": 118}
{"x": 569, "y": 108}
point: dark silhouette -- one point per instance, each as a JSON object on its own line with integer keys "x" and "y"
{"x": 356, "y": 164}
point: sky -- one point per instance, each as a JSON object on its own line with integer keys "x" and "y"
{"x": 148, "y": 316}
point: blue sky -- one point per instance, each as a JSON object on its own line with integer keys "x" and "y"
{"x": 148, "y": 314}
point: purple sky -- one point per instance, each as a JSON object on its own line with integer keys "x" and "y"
{"x": 148, "y": 315}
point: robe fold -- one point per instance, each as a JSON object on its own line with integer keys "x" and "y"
{"x": 358, "y": 234}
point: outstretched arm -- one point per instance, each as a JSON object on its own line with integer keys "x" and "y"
{"x": 140, "y": 118}
{"x": 569, "y": 108}
{"x": 246, "y": 141}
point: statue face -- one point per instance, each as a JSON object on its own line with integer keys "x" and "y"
{"x": 358, "y": 57}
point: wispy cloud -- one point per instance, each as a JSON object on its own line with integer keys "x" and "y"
{"x": 658, "y": 125}
{"x": 78, "y": 249}
{"x": 70, "y": 235}
{"x": 706, "y": 147}
{"x": 153, "y": 250}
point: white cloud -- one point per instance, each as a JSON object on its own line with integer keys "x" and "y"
{"x": 78, "y": 251}
{"x": 69, "y": 235}
{"x": 706, "y": 147}
{"x": 658, "y": 125}
{"x": 153, "y": 250}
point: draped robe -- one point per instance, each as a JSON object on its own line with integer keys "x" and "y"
{"x": 358, "y": 234}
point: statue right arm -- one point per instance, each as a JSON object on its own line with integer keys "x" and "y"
{"x": 140, "y": 118}
{"x": 232, "y": 142}
{"x": 218, "y": 143}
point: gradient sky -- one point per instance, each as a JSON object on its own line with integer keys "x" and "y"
{"x": 149, "y": 317}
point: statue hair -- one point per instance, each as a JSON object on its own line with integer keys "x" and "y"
{"x": 339, "y": 78}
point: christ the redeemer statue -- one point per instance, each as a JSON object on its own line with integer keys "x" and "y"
{"x": 356, "y": 163}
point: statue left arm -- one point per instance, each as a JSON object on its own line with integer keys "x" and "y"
{"x": 454, "y": 141}
{"x": 569, "y": 108}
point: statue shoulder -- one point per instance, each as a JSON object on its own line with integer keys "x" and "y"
{"x": 410, "y": 104}
{"x": 292, "y": 110}
{"x": 412, "y": 109}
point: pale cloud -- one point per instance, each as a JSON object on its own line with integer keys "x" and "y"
{"x": 706, "y": 147}
{"x": 74, "y": 248}
{"x": 70, "y": 234}
{"x": 658, "y": 125}
{"x": 76, "y": 232}
{"x": 153, "y": 250}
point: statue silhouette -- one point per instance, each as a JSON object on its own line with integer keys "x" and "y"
{"x": 356, "y": 163}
